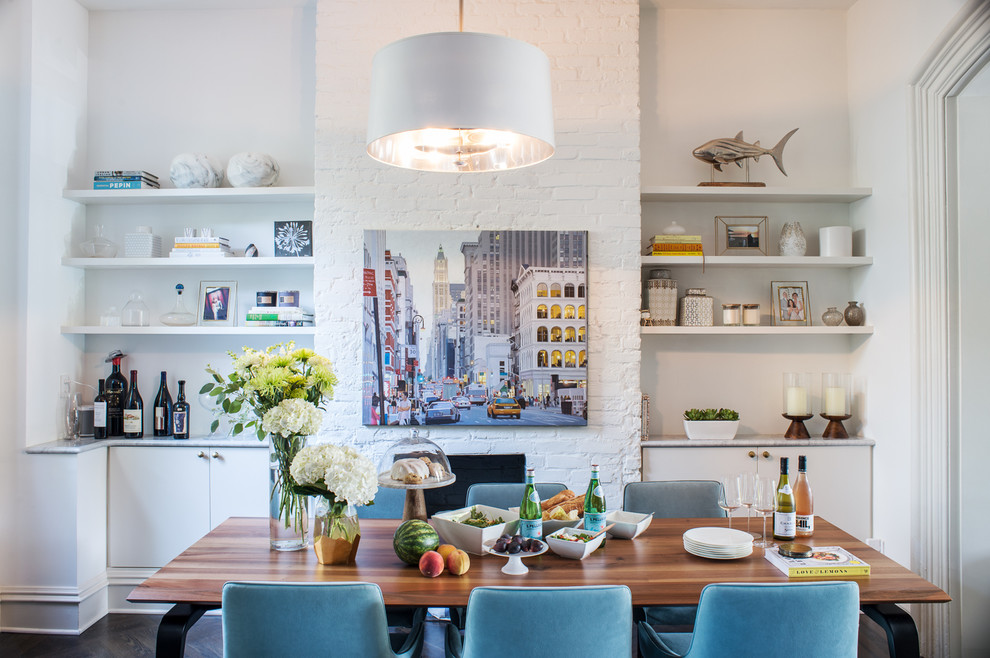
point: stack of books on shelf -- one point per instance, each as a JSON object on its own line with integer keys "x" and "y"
{"x": 112, "y": 179}
{"x": 675, "y": 245}
{"x": 283, "y": 316}
{"x": 200, "y": 247}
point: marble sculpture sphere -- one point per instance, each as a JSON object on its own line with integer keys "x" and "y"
{"x": 195, "y": 170}
{"x": 252, "y": 170}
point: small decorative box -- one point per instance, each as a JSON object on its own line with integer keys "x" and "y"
{"x": 661, "y": 295}
{"x": 266, "y": 298}
{"x": 288, "y": 298}
{"x": 142, "y": 244}
{"x": 697, "y": 308}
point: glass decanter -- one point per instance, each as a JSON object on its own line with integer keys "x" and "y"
{"x": 98, "y": 246}
{"x": 135, "y": 312}
{"x": 179, "y": 316}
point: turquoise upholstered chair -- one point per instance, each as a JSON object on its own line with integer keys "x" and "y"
{"x": 311, "y": 619}
{"x": 388, "y": 505}
{"x": 813, "y": 620}
{"x": 549, "y": 622}
{"x": 508, "y": 494}
{"x": 672, "y": 499}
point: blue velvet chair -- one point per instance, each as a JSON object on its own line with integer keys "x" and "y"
{"x": 548, "y": 622}
{"x": 508, "y": 494}
{"x": 388, "y": 505}
{"x": 311, "y": 619}
{"x": 812, "y": 620}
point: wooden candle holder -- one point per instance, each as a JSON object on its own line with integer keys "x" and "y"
{"x": 834, "y": 429}
{"x": 797, "y": 430}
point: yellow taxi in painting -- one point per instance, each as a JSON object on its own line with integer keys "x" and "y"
{"x": 504, "y": 407}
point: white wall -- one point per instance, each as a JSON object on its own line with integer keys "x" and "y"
{"x": 591, "y": 183}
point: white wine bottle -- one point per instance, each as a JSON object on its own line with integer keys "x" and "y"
{"x": 594, "y": 503}
{"x": 804, "y": 504}
{"x": 530, "y": 513}
{"x": 783, "y": 518}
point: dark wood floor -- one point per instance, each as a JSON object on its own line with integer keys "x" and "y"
{"x": 131, "y": 636}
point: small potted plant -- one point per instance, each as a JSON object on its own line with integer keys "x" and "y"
{"x": 711, "y": 423}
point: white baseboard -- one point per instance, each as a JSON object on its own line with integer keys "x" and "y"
{"x": 53, "y": 610}
{"x": 120, "y": 583}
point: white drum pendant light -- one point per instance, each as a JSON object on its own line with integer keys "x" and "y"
{"x": 460, "y": 102}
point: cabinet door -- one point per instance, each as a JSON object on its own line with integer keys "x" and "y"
{"x": 699, "y": 463}
{"x": 238, "y": 483}
{"x": 159, "y": 503}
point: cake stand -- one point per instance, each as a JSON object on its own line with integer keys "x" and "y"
{"x": 415, "y": 505}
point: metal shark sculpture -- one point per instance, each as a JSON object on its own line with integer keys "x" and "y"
{"x": 728, "y": 150}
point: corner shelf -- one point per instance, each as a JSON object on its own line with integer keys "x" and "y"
{"x": 198, "y": 262}
{"x": 192, "y": 195}
{"x": 768, "y": 194}
{"x": 87, "y": 330}
{"x": 760, "y": 261}
{"x": 758, "y": 331}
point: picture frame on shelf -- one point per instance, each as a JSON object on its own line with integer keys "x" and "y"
{"x": 741, "y": 234}
{"x": 790, "y": 303}
{"x": 217, "y": 303}
{"x": 294, "y": 238}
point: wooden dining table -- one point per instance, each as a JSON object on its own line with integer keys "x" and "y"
{"x": 655, "y": 567}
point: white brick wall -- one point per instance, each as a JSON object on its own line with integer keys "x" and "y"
{"x": 592, "y": 183}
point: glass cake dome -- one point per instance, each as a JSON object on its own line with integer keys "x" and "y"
{"x": 414, "y": 463}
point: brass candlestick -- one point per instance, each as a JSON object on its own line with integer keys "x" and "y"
{"x": 834, "y": 429}
{"x": 797, "y": 430}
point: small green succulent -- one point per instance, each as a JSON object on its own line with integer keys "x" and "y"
{"x": 711, "y": 414}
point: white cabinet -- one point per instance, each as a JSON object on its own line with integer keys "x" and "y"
{"x": 162, "y": 499}
{"x": 840, "y": 475}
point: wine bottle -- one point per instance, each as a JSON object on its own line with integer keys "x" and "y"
{"x": 594, "y": 503}
{"x": 804, "y": 504}
{"x": 116, "y": 387}
{"x": 134, "y": 411}
{"x": 783, "y": 518}
{"x": 100, "y": 411}
{"x": 163, "y": 409}
{"x": 180, "y": 414}
{"x": 530, "y": 513}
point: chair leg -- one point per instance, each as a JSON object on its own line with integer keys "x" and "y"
{"x": 902, "y": 634}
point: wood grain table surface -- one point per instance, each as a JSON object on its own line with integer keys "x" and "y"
{"x": 654, "y": 566}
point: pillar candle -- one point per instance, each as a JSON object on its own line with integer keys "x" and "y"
{"x": 796, "y": 401}
{"x": 835, "y": 401}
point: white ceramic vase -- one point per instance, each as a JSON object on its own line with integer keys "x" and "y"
{"x": 792, "y": 240}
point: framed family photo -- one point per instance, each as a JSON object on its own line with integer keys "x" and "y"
{"x": 217, "y": 302}
{"x": 741, "y": 234}
{"x": 790, "y": 303}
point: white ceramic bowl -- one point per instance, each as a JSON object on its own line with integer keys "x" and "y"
{"x": 575, "y": 550}
{"x": 551, "y": 526}
{"x": 469, "y": 538}
{"x": 627, "y": 525}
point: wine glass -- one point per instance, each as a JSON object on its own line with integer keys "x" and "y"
{"x": 729, "y": 495}
{"x": 747, "y": 491}
{"x": 765, "y": 503}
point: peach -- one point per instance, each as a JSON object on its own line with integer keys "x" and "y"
{"x": 458, "y": 562}
{"x": 445, "y": 550}
{"x": 431, "y": 564}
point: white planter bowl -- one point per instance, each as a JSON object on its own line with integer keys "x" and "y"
{"x": 711, "y": 429}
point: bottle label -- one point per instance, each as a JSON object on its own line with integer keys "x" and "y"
{"x": 594, "y": 521}
{"x": 532, "y": 528}
{"x": 179, "y": 422}
{"x": 99, "y": 414}
{"x": 133, "y": 420}
{"x": 159, "y": 418}
{"x": 804, "y": 524}
{"x": 786, "y": 489}
{"x": 783, "y": 524}
{"x": 534, "y": 497}
{"x": 598, "y": 492}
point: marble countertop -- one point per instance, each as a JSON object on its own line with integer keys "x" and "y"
{"x": 753, "y": 440}
{"x": 76, "y": 446}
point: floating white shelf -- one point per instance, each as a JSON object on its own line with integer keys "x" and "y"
{"x": 198, "y": 262}
{"x": 192, "y": 195}
{"x": 757, "y": 331}
{"x": 185, "y": 331}
{"x": 760, "y": 261}
{"x": 771, "y": 194}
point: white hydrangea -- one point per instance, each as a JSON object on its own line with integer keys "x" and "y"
{"x": 292, "y": 416}
{"x": 341, "y": 470}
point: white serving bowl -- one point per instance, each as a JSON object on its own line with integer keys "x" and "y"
{"x": 575, "y": 550}
{"x": 627, "y": 525}
{"x": 469, "y": 538}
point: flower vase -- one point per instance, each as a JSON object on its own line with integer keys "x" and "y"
{"x": 336, "y": 532}
{"x": 792, "y": 240}
{"x": 288, "y": 522}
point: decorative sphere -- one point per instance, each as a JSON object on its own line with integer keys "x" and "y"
{"x": 195, "y": 170}
{"x": 252, "y": 170}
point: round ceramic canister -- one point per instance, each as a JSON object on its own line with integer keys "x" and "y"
{"x": 835, "y": 241}
{"x": 697, "y": 308}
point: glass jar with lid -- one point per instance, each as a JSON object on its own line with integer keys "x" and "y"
{"x": 697, "y": 308}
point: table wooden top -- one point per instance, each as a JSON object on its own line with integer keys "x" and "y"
{"x": 655, "y": 566}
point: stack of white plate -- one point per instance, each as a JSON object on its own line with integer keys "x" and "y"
{"x": 718, "y": 543}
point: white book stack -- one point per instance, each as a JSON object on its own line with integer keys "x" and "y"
{"x": 200, "y": 247}
{"x": 283, "y": 316}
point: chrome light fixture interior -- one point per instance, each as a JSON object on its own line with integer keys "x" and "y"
{"x": 460, "y": 102}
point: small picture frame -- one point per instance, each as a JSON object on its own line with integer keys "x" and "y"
{"x": 741, "y": 234}
{"x": 217, "y": 303}
{"x": 791, "y": 304}
{"x": 294, "y": 238}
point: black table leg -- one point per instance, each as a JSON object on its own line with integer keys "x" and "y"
{"x": 171, "y": 641}
{"x": 902, "y": 634}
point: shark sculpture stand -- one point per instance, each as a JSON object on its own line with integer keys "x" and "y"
{"x": 746, "y": 183}
{"x": 734, "y": 150}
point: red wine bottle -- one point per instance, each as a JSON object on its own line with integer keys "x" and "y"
{"x": 163, "y": 409}
{"x": 100, "y": 411}
{"x": 116, "y": 387}
{"x": 134, "y": 411}
{"x": 180, "y": 414}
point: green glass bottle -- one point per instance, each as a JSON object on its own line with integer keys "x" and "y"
{"x": 784, "y": 518}
{"x": 594, "y": 503}
{"x": 530, "y": 514}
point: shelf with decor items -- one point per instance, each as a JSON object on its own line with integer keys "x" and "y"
{"x": 192, "y": 195}
{"x": 270, "y": 262}
{"x": 762, "y": 330}
{"x": 83, "y": 330}
{"x": 759, "y": 261}
{"x": 770, "y": 194}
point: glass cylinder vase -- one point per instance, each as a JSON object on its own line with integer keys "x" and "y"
{"x": 288, "y": 512}
{"x": 336, "y": 532}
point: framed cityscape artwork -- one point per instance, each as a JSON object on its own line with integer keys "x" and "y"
{"x": 475, "y": 328}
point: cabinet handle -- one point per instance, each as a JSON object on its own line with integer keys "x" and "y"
{"x": 217, "y": 455}
{"x": 201, "y": 455}
{"x": 766, "y": 454}
{"x": 752, "y": 454}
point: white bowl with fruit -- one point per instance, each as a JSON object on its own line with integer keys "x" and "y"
{"x": 515, "y": 547}
{"x": 573, "y": 543}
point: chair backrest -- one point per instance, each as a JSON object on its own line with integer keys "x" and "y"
{"x": 388, "y": 505}
{"x": 674, "y": 499}
{"x": 507, "y": 494}
{"x": 815, "y": 620}
{"x": 548, "y": 622}
{"x": 304, "y": 619}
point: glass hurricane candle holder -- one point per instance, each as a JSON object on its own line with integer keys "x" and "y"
{"x": 797, "y": 403}
{"x": 836, "y": 403}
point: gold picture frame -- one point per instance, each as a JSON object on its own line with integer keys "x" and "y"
{"x": 796, "y": 310}
{"x": 741, "y": 234}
